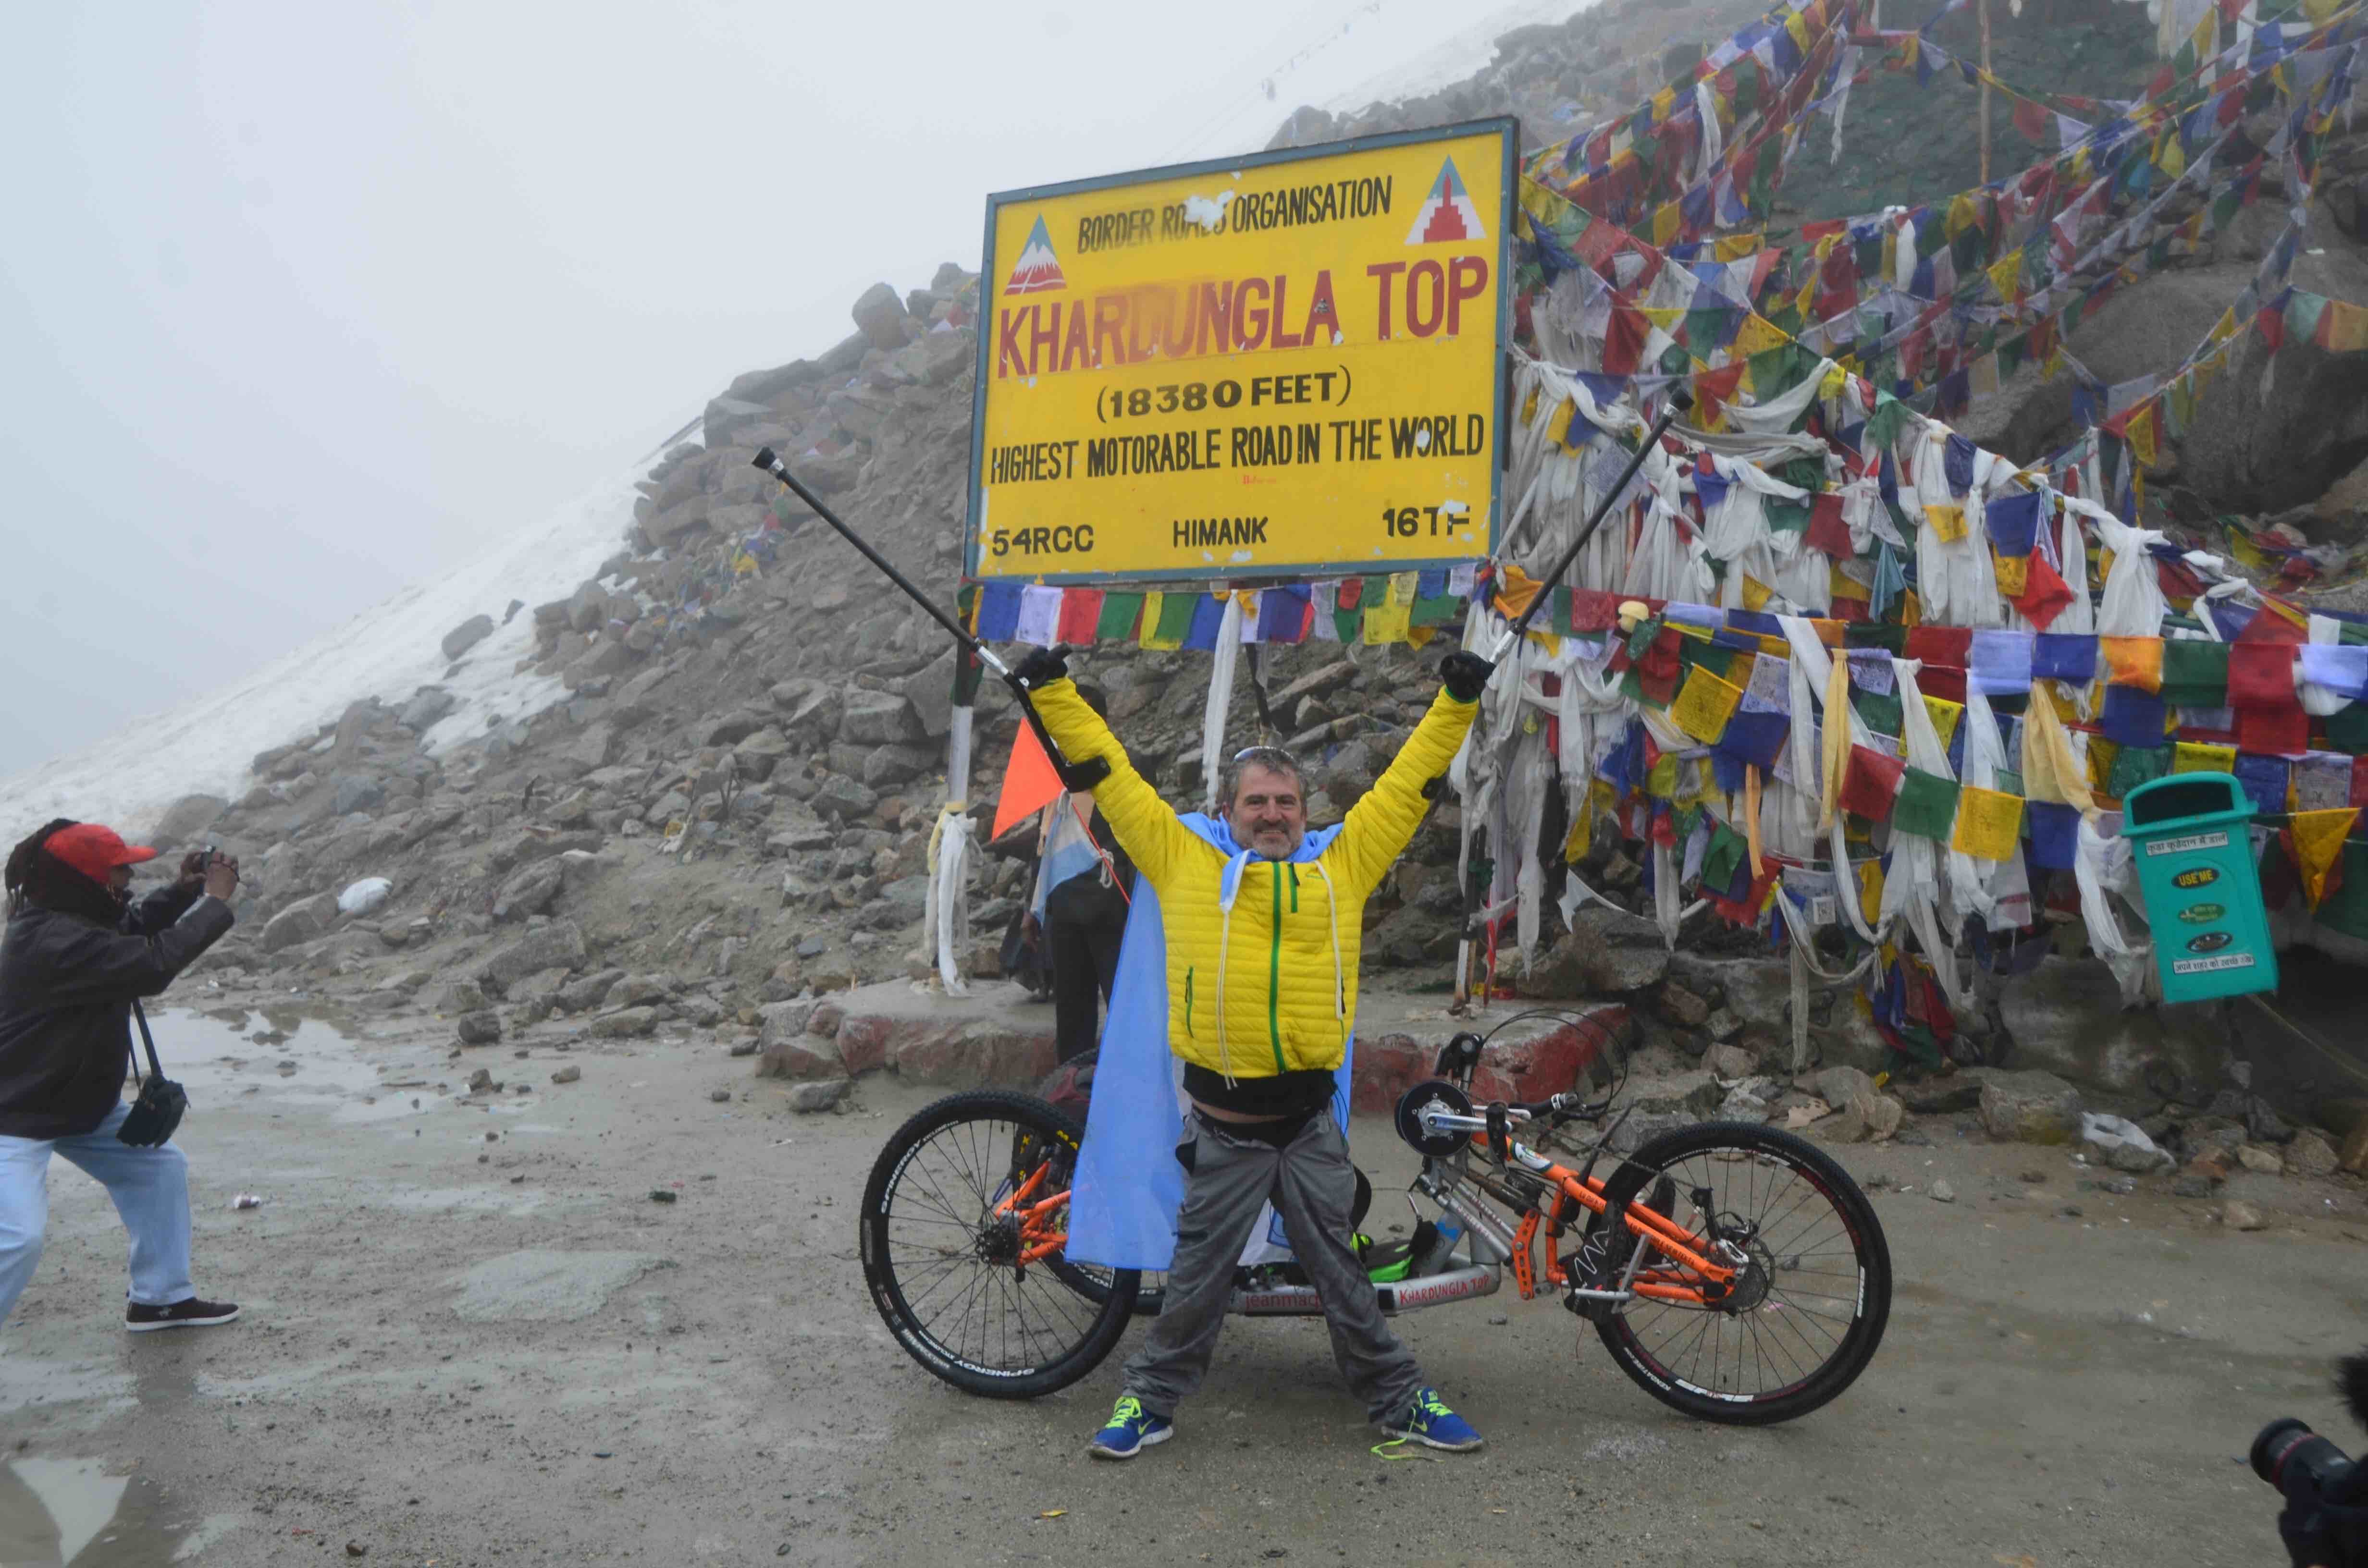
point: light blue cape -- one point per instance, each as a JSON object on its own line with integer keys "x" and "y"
{"x": 1123, "y": 1203}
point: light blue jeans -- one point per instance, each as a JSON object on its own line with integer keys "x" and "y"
{"x": 151, "y": 1189}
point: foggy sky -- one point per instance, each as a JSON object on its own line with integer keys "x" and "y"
{"x": 302, "y": 303}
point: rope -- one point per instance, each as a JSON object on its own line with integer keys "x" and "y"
{"x": 2348, "y": 1068}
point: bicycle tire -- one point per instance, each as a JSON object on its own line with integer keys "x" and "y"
{"x": 943, "y": 1172}
{"x": 1802, "y": 1319}
{"x": 1092, "y": 1280}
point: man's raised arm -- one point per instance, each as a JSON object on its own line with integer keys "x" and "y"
{"x": 1380, "y": 825}
{"x": 1146, "y": 827}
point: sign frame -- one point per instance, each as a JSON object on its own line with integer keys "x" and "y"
{"x": 1507, "y": 128}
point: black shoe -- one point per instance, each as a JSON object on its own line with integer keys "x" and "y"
{"x": 191, "y": 1314}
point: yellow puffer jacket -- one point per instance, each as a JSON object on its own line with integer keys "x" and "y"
{"x": 1284, "y": 964}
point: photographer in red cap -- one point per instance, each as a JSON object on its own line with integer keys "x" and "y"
{"x": 77, "y": 954}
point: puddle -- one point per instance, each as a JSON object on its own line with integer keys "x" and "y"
{"x": 55, "y": 1512}
{"x": 229, "y": 1054}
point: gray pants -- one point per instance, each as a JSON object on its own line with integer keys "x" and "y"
{"x": 1314, "y": 1185}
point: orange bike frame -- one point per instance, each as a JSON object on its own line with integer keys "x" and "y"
{"x": 1666, "y": 1235}
{"x": 1038, "y": 1238}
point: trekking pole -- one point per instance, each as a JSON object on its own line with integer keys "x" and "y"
{"x": 1074, "y": 776}
{"x": 1679, "y": 401}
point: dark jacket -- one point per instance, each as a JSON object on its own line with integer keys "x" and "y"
{"x": 66, "y": 987}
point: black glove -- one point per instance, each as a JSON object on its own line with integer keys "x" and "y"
{"x": 1464, "y": 674}
{"x": 1042, "y": 667}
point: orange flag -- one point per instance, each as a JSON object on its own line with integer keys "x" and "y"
{"x": 1029, "y": 783}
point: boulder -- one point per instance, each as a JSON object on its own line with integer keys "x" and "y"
{"x": 1607, "y": 952}
{"x": 356, "y": 793}
{"x": 826, "y": 1094}
{"x": 467, "y": 635}
{"x": 1838, "y": 1086}
{"x": 1730, "y": 1062}
{"x": 810, "y": 709}
{"x": 299, "y": 922}
{"x": 841, "y": 796}
{"x": 530, "y": 891}
{"x": 730, "y": 419}
{"x": 1682, "y": 1007}
{"x": 1870, "y": 1117}
{"x": 625, "y": 1022}
{"x": 730, "y": 729}
{"x": 184, "y": 820}
{"x": 685, "y": 517}
{"x": 635, "y": 989}
{"x": 877, "y": 718}
{"x": 930, "y": 692}
{"x": 578, "y": 995}
{"x": 481, "y": 1028}
{"x": 760, "y": 753}
{"x": 2310, "y": 1154}
{"x": 427, "y": 705}
{"x": 881, "y": 316}
{"x": 555, "y": 945}
{"x": 885, "y": 766}
{"x": 1960, "y": 1090}
{"x": 2031, "y": 1107}
{"x": 966, "y": 1055}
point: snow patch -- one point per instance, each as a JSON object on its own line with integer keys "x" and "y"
{"x": 204, "y": 746}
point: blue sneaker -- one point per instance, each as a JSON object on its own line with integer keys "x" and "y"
{"x": 1428, "y": 1420}
{"x": 1130, "y": 1430}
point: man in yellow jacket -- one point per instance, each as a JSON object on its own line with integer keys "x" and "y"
{"x": 1262, "y": 950}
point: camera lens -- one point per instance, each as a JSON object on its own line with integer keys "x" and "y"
{"x": 2297, "y": 1460}
{"x": 2275, "y": 1443}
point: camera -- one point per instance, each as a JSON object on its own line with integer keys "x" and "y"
{"x": 2326, "y": 1518}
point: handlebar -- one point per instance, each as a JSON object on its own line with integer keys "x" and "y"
{"x": 1553, "y": 1105}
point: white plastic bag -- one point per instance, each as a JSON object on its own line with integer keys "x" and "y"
{"x": 2120, "y": 1144}
{"x": 361, "y": 897}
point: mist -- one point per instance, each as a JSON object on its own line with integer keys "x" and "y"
{"x": 301, "y": 305}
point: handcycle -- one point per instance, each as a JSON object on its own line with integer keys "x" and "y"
{"x": 1735, "y": 1272}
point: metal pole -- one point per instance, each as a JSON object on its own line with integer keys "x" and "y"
{"x": 1076, "y": 776}
{"x": 1679, "y": 403}
{"x": 1983, "y": 9}
{"x": 780, "y": 471}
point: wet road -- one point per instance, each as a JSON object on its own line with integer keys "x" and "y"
{"x": 473, "y": 1337}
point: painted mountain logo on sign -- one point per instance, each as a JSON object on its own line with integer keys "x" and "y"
{"x": 1447, "y": 213}
{"x": 1037, "y": 272}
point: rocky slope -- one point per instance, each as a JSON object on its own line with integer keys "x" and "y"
{"x": 728, "y": 804}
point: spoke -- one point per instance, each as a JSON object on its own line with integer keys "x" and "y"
{"x": 936, "y": 1196}
{"x": 1786, "y": 1298}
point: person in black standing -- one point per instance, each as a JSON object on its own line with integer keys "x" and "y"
{"x": 76, "y": 956}
{"x": 1079, "y": 910}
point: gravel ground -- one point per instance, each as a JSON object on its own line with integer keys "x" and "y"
{"x": 474, "y": 1337}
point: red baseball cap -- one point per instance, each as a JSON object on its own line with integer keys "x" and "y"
{"x": 94, "y": 850}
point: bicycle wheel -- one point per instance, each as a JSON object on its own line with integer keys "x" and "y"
{"x": 947, "y": 1248}
{"x": 1803, "y": 1314}
{"x": 1092, "y": 1281}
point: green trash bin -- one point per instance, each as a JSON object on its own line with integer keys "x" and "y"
{"x": 2189, "y": 835}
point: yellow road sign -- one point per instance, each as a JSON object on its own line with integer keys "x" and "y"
{"x": 1280, "y": 365}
